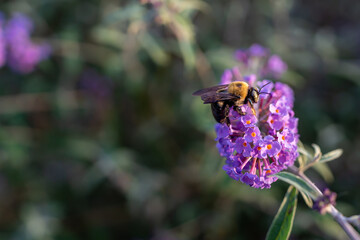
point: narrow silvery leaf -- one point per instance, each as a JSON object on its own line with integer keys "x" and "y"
{"x": 299, "y": 183}
{"x": 317, "y": 153}
{"x": 282, "y": 224}
{"x": 184, "y": 31}
{"x": 305, "y": 153}
{"x": 354, "y": 220}
{"x": 331, "y": 155}
{"x": 302, "y": 161}
{"x": 315, "y": 158}
{"x": 324, "y": 170}
{"x": 307, "y": 199}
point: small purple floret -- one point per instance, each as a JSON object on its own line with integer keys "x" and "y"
{"x": 249, "y": 120}
{"x": 243, "y": 147}
{"x": 252, "y": 134}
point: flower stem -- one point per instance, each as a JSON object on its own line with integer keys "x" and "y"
{"x": 336, "y": 214}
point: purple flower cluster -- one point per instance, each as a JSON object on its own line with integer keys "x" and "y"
{"x": 16, "y": 46}
{"x": 258, "y": 146}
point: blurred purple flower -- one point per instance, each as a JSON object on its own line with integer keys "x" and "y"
{"x": 241, "y": 56}
{"x": 95, "y": 84}
{"x": 227, "y": 76}
{"x": 270, "y": 65}
{"x": 258, "y": 50}
{"x": 257, "y": 147}
{"x": 275, "y": 66}
{"x": 18, "y": 29}
{"x": 16, "y": 46}
{"x": 282, "y": 89}
{"x": 2, "y": 42}
{"x": 230, "y": 75}
{"x": 323, "y": 203}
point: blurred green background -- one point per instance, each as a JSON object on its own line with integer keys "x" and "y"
{"x": 104, "y": 140}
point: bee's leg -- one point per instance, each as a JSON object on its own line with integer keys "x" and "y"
{"x": 237, "y": 107}
{"x": 226, "y": 114}
{"x": 224, "y": 118}
{"x": 252, "y": 107}
{"x": 239, "y": 111}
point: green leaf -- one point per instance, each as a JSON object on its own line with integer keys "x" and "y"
{"x": 282, "y": 224}
{"x": 154, "y": 48}
{"x": 192, "y": 5}
{"x": 331, "y": 155}
{"x": 129, "y": 12}
{"x": 299, "y": 183}
{"x": 109, "y": 36}
{"x": 188, "y": 53}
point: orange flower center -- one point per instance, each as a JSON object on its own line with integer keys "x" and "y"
{"x": 244, "y": 144}
{"x": 271, "y": 121}
{"x": 283, "y": 138}
{"x": 277, "y": 110}
{"x": 268, "y": 171}
{"x": 253, "y": 134}
{"x": 248, "y": 122}
{"x": 258, "y": 148}
{"x": 269, "y": 146}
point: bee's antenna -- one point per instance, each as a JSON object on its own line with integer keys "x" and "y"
{"x": 264, "y": 86}
{"x": 264, "y": 93}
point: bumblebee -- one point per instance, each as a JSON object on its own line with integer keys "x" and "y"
{"x": 223, "y": 97}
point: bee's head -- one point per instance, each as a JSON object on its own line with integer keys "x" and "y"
{"x": 254, "y": 95}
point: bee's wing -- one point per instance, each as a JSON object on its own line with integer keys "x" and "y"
{"x": 212, "y": 90}
{"x": 217, "y": 96}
